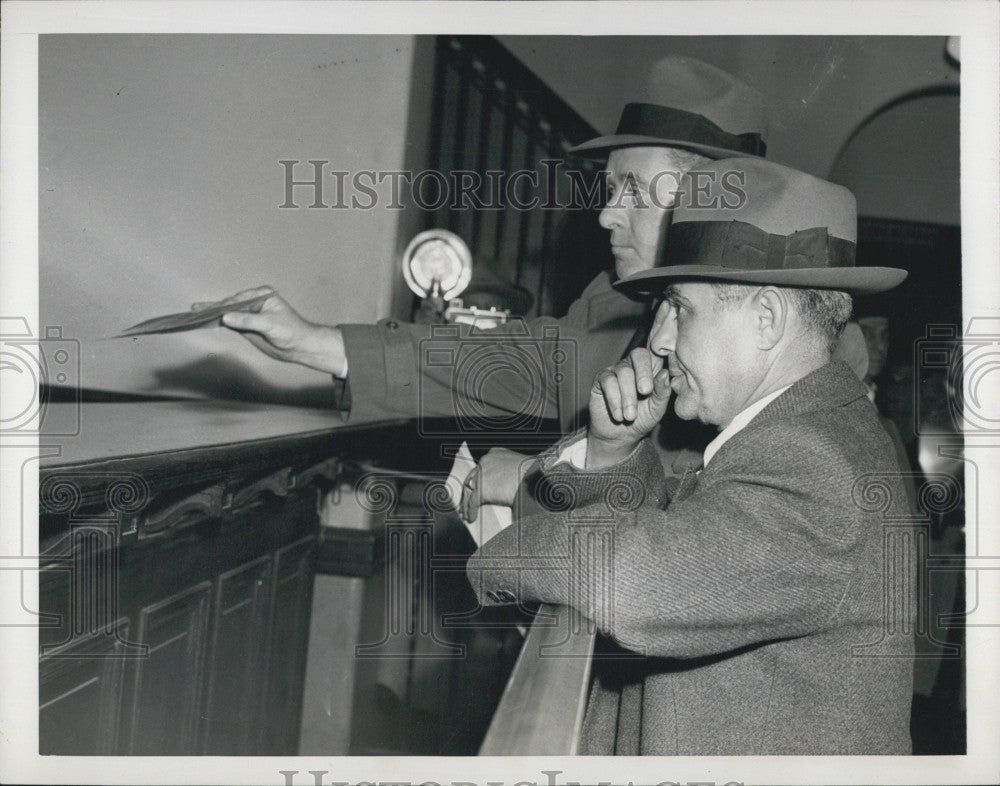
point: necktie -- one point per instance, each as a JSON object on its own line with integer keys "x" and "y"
{"x": 687, "y": 484}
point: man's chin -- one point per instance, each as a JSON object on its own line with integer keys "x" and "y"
{"x": 625, "y": 267}
{"x": 685, "y": 410}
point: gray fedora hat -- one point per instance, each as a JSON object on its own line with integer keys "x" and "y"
{"x": 695, "y": 106}
{"x": 752, "y": 221}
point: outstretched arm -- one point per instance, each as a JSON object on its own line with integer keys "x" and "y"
{"x": 280, "y": 332}
{"x": 541, "y": 368}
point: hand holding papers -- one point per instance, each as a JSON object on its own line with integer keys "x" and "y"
{"x": 491, "y": 519}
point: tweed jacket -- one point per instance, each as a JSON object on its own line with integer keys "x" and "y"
{"x": 754, "y": 590}
{"x": 401, "y": 369}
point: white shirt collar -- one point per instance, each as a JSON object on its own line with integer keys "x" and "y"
{"x": 738, "y": 423}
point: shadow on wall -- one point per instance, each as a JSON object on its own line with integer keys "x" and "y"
{"x": 231, "y": 380}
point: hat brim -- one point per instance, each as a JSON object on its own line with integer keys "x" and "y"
{"x": 602, "y": 145}
{"x": 855, "y": 280}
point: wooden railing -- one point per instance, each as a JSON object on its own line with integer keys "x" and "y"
{"x": 541, "y": 710}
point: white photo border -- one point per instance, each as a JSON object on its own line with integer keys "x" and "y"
{"x": 977, "y": 24}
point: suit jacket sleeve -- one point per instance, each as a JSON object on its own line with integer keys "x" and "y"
{"x": 545, "y": 366}
{"x": 759, "y": 550}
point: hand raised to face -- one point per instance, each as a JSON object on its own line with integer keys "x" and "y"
{"x": 626, "y": 401}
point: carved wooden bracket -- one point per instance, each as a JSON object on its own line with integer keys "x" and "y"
{"x": 206, "y": 503}
{"x": 329, "y": 469}
{"x": 278, "y": 483}
{"x": 126, "y": 497}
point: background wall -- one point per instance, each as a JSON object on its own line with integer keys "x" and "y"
{"x": 160, "y": 186}
{"x": 817, "y": 89}
{"x": 903, "y": 163}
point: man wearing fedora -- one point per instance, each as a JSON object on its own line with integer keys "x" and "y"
{"x": 754, "y": 588}
{"x": 710, "y": 115}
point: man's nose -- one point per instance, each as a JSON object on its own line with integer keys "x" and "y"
{"x": 663, "y": 333}
{"x": 611, "y": 217}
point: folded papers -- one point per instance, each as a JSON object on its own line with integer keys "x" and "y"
{"x": 190, "y": 320}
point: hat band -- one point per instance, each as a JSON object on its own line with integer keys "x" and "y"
{"x": 742, "y": 246}
{"x": 669, "y": 123}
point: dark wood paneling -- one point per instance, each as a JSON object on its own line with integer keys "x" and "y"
{"x": 292, "y": 593}
{"x": 82, "y": 679}
{"x": 234, "y": 699}
{"x": 165, "y": 705}
{"x": 175, "y": 590}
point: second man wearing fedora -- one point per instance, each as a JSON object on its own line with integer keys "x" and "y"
{"x": 756, "y": 589}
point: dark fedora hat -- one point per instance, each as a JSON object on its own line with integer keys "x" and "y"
{"x": 752, "y": 221}
{"x": 694, "y": 106}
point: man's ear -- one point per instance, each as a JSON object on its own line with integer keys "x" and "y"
{"x": 770, "y": 317}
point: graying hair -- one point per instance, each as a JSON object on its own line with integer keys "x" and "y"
{"x": 823, "y": 311}
{"x": 687, "y": 160}
{"x": 677, "y": 163}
